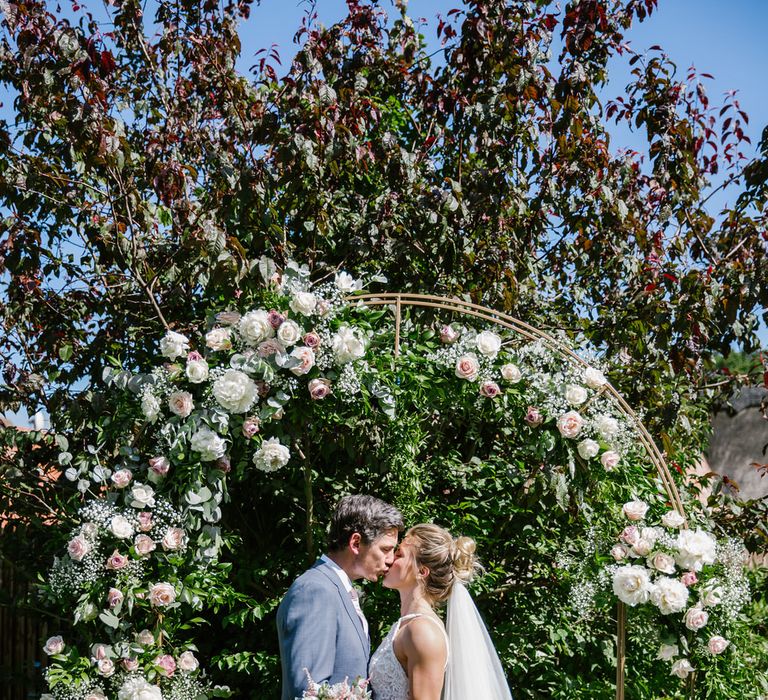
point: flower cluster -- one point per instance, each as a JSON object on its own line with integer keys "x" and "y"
{"x": 358, "y": 690}
{"x": 681, "y": 572}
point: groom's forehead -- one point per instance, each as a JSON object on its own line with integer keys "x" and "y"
{"x": 387, "y": 539}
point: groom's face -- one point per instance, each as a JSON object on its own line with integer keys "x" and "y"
{"x": 374, "y": 559}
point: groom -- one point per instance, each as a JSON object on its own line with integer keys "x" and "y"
{"x": 320, "y": 625}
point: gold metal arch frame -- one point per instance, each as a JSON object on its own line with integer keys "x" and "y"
{"x": 455, "y": 306}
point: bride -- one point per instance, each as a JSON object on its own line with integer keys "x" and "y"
{"x": 418, "y": 657}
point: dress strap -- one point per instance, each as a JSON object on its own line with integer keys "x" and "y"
{"x": 431, "y": 619}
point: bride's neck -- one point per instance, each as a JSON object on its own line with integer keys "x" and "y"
{"x": 413, "y": 601}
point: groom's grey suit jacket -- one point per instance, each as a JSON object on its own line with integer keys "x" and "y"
{"x": 319, "y": 630}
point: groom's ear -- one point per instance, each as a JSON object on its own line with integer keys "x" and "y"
{"x": 354, "y": 542}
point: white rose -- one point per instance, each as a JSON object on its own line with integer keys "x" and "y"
{"x": 142, "y": 495}
{"x": 106, "y": 667}
{"x": 594, "y": 378}
{"x": 120, "y": 527}
{"x": 173, "y": 345}
{"x": 575, "y": 395}
{"x": 306, "y": 359}
{"x": 681, "y": 668}
{"x": 235, "y": 391}
{"x": 632, "y": 585}
{"x": 588, "y": 449}
{"x": 255, "y": 327}
{"x": 197, "y": 371}
{"x": 271, "y": 455}
{"x": 695, "y": 618}
{"x": 717, "y": 644}
{"x": 289, "y": 333}
{"x": 346, "y": 345}
{"x": 635, "y": 510}
{"x": 672, "y": 519}
{"x": 711, "y": 595}
{"x": 180, "y": 403}
{"x": 662, "y": 562}
{"x": 187, "y": 662}
{"x": 150, "y": 406}
{"x": 219, "y": 339}
{"x": 619, "y": 552}
{"x": 467, "y": 367}
{"x": 54, "y": 645}
{"x": 669, "y": 595}
{"x": 303, "y": 303}
{"x": 78, "y": 547}
{"x": 667, "y": 652}
{"x": 121, "y": 478}
{"x": 511, "y": 373}
{"x": 570, "y": 424}
{"x": 610, "y": 460}
{"x": 606, "y": 426}
{"x": 695, "y": 548}
{"x": 145, "y": 638}
{"x": 138, "y": 688}
{"x": 641, "y": 548}
{"x": 174, "y": 539}
{"x": 650, "y": 533}
{"x": 488, "y": 344}
{"x": 95, "y": 694}
{"x": 162, "y": 594}
{"x": 346, "y": 283}
{"x": 208, "y": 444}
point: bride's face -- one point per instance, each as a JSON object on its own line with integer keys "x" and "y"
{"x": 402, "y": 573}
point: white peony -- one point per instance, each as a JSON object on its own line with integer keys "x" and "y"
{"x": 635, "y": 510}
{"x": 588, "y": 449}
{"x": 289, "y": 333}
{"x": 208, "y": 444}
{"x": 197, "y": 371}
{"x": 255, "y": 327}
{"x": 150, "y": 406}
{"x": 632, "y": 585}
{"x": 669, "y": 595}
{"x": 306, "y": 358}
{"x": 271, "y": 455}
{"x": 575, "y": 395}
{"x": 219, "y": 339}
{"x": 695, "y": 548}
{"x": 594, "y": 378}
{"x": 346, "y": 283}
{"x": 606, "y": 426}
{"x": 681, "y": 668}
{"x": 142, "y": 495}
{"x": 120, "y": 527}
{"x": 173, "y": 345}
{"x": 235, "y": 391}
{"x": 511, "y": 373}
{"x": 672, "y": 519}
{"x": 488, "y": 343}
{"x": 347, "y": 346}
{"x": 138, "y": 688}
{"x": 303, "y": 303}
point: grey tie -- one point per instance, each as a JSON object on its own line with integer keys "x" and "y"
{"x": 356, "y": 604}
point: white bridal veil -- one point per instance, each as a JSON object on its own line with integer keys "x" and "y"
{"x": 474, "y": 670}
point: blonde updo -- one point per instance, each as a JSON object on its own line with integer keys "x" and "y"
{"x": 446, "y": 560}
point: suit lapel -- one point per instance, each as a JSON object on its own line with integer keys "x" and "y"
{"x": 346, "y": 602}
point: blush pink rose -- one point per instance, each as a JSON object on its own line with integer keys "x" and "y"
{"x": 114, "y": 597}
{"x": 106, "y": 667}
{"x": 159, "y": 465}
{"x": 467, "y": 367}
{"x": 319, "y": 388}
{"x": 448, "y": 335}
{"x": 145, "y": 638}
{"x": 312, "y": 340}
{"x": 54, "y": 645}
{"x": 121, "y": 478}
{"x": 187, "y": 662}
{"x": 181, "y": 403}
{"x": 130, "y": 664}
{"x": 270, "y": 347}
{"x": 717, "y": 644}
{"x": 144, "y": 545}
{"x": 609, "y": 460}
{"x": 78, "y": 547}
{"x": 145, "y": 521}
{"x": 619, "y": 552}
{"x": 696, "y": 618}
{"x": 162, "y": 594}
{"x": 251, "y": 426}
{"x": 173, "y": 539}
{"x": 533, "y": 417}
{"x": 490, "y": 390}
{"x": 166, "y": 665}
{"x": 630, "y": 535}
{"x": 117, "y": 561}
{"x": 689, "y": 578}
{"x": 570, "y": 424}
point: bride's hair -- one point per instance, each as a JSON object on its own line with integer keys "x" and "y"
{"x": 447, "y": 559}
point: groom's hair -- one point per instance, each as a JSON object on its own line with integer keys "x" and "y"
{"x": 367, "y": 515}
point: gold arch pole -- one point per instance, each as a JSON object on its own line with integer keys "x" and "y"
{"x": 457, "y": 306}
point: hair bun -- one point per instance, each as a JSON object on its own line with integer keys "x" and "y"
{"x": 465, "y": 564}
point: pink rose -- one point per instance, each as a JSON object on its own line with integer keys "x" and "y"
{"x": 173, "y": 539}
{"x": 228, "y": 318}
{"x": 270, "y": 347}
{"x": 467, "y": 367}
{"x": 144, "y": 545}
{"x": 54, "y": 645}
{"x": 166, "y": 665}
{"x": 99, "y": 652}
{"x": 312, "y": 340}
{"x": 180, "y": 403}
{"x": 717, "y": 644}
{"x": 162, "y": 594}
{"x": 319, "y": 388}
{"x": 696, "y": 618}
{"x": 130, "y": 664}
{"x": 609, "y": 460}
{"x": 533, "y": 417}
{"x": 251, "y": 426}
{"x": 117, "y": 561}
{"x": 689, "y": 578}
{"x": 78, "y": 547}
{"x": 306, "y": 359}
{"x": 619, "y": 552}
{"x": 570, "y": 424}
{"x": 145, "y": 638}
{"x": 145, "y": 521}
{"x": 114, "y": 597}
{"x": 223, "y": 464}
{"x": 194, "y": 356}
{"x": 630, "y": 535}
{"x": 448, "y": 335}
{"x": 275, "y": 318}
{"x": 106, "y": 667}
{"x": 490, "y": 390}
{"x": 121, "y": 478}
{"x": 322, "y": 307}
{"x": 635, "y": 510}
{"x": 159, "y": 465}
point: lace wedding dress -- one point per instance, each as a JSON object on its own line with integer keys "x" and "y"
{"x": 388, "y": 679}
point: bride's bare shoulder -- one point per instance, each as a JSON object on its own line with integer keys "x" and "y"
{"x": 423, "y": 637}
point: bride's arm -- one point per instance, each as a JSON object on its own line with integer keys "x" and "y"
{"x": 423, "y": 647}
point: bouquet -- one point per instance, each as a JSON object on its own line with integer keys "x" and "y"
{"x": 358, "y": 690}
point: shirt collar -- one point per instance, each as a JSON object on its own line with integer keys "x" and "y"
{"x": 339, "y": 572}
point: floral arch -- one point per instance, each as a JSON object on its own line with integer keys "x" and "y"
{"x": 302, "y": 391}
